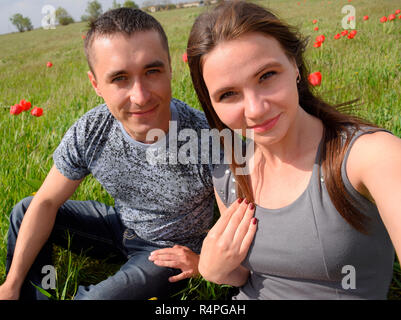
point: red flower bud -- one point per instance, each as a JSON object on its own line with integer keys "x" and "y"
{"x": 26, "y": 105}
{"x": 37, "y": 112}
{"x": 15, "y": 109}
{"x": 49, "y": 64}
{"x": 365, "y": 18}
{"x": 337, "y": 36}
{"x": 320, "y": 38}
{"x": 391, "y": 17}
{"x": 344, "y": 32}
{"x": 185, "y": 57}
{"x": 383, "y": 19}
{"x": 315, "y": 78}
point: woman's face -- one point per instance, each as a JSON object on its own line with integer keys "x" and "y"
{"x": 252, "y": 85}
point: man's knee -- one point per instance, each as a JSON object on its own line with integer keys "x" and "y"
{"x": 18, "y": 212}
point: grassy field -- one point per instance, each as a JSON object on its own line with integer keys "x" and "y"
{"x": 366, "y": 67}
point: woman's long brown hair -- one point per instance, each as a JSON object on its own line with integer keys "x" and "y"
{"x": 233, "y": 19}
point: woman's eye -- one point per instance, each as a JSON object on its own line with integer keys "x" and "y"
{"x": 226, "y": 95}
{"x": 267, "y": 75}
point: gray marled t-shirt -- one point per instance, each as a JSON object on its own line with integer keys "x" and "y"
{"x": 163, "y": 203}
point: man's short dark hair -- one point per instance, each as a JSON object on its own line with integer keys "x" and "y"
{"x": 125, "y": 21}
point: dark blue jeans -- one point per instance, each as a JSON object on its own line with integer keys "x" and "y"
{"x": 97, "y": 230}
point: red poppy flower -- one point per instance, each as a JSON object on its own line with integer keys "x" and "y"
{"x": 317, "y": 44}
{"x": 397, "y": 11}
{"x": 351, "y": 36}
{"x": 49, "y": 64}
{"x": 16, "y": 109}
{"x": 391, "y": 17}
{"x": 337, "y": 36}
{"x": 383, "y": 19}
{"x": 185, "y": 57}
{"x": 316, "y": 28}
{"x": 344, "y": 32}
{"x": 315, "y": 78}
{"x": 314, "y": 21}
{"x": 83, "y": 37}
{"x": 353, "y": 32}
{"x": 399, "y": 17}
{"x": 26, "y": 105}
{"x": 350, "y": 18}
{"x": 37, "y": 112}
{"x": 320, "y": 38}
{"x": 365, "y": 18}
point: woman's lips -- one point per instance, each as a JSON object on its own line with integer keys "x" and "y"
{"x": 267, "y": 125}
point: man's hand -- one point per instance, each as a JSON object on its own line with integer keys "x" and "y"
{"x": 8, "y": 293}
{"x": 178, "y": 257}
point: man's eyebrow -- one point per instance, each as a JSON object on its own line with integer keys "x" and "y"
{"x": 155, "y": 64}
{"x": 113, "y": 74}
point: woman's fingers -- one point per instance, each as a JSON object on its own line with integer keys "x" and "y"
{"x": 221, "y": 224}
{"x": 236, "y": 219}
{"x": 248, "y": 238}
{"x": 244, "y": 225}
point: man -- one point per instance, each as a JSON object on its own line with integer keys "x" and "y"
{"x": 162, "y": 207}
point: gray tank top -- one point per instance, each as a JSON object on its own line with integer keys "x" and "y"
{"x": 307, "y": 250}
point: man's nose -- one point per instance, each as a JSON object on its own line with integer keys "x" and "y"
{"x": 139, "y": 94}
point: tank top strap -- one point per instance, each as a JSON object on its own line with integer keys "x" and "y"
{"x": 356, "y": 196}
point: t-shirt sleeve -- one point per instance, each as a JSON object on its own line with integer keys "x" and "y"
{"x": 69, "y": 157}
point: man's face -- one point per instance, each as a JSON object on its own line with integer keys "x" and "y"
{"x": 133, "y": 76}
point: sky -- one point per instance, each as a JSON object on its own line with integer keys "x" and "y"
{"x": 33, "y": 10}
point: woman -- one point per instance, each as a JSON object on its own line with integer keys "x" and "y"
{"x": 321, "y": 207}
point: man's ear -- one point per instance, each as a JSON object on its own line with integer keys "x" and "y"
{"x": 93, "y": 81}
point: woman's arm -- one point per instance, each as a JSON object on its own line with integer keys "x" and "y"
{"x": 374, "y": 169}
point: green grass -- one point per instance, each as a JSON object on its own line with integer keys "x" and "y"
{"x": 366, "y": 67}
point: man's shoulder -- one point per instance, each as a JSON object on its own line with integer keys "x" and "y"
{"x": 94, "y": 119}
{"x": 189, "y": 116}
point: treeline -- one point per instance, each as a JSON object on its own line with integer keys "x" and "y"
{"x": 62, "y": 17}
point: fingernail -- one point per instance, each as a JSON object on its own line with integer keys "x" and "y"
{"x": 240, "y": 200}
{"x": 254, "y": 220}
{"x": 246, "y": 201}
{"x": 251, "y": 206}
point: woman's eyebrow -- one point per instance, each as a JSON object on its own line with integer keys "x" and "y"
{"x": 271, "y": 64}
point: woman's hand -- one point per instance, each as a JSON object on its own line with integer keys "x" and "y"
{"x": 227, "y": 245}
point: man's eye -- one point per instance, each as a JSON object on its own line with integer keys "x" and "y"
{"x": 120, "y": 78}
{"x": 152, "y": 71}
{"x": 267, "y": 75}
{"x": 226, "y": 95}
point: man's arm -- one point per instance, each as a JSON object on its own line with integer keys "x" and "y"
{"x": 36, "y": 227}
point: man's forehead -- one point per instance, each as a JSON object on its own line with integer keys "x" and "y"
{"x": 109, "y": 39}
{"x": 143, "y": 38}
